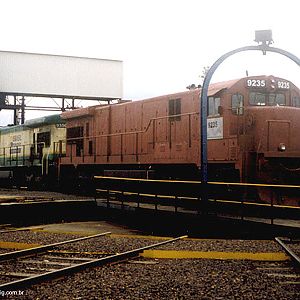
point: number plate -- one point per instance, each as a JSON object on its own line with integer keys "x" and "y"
{"x": 214, "y": 128}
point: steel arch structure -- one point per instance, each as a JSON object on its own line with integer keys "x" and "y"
{"x": 203, "y": 98}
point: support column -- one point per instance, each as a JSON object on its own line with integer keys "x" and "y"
{"x": 23, "y": 110}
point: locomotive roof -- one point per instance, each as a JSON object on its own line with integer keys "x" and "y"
{"x": 47, "y": 120}
{"x": 80, "y": 112}
{"x": 89, "y": 111}
{"x": 213, "y": 89}
{"x": 15, "y": 128}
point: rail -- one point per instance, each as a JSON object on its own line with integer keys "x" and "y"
{"x": 295, "y": 258}
{"x": 222, "y": 197}
{"x": 36, "y": 250}
{"x": 81, "y": 266}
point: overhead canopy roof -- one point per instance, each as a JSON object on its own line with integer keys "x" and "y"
{"x": 60, "y": 76}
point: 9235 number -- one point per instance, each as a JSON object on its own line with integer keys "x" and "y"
{"x": 283, "y": 85}
{"x": 256, "y": 83}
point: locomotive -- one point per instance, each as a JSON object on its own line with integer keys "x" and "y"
{"x": 252, "y": 137}
{"x": 29, "y": 152}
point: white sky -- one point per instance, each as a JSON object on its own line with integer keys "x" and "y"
{"x": 164, "y": 44}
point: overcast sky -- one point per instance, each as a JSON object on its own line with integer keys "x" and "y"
{"x": 163, "y": 44}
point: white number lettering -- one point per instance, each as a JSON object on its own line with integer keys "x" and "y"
{"x": 256, "y": 83}
{"x": 283, "y": 85}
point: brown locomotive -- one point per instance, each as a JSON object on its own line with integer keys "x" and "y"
{"x": 253, "y": 126}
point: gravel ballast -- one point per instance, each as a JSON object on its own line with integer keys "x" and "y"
{"x": 143, "y": 278}
{"x": 169, "y": 279}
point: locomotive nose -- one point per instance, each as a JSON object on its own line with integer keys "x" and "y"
{"x": 278, "y": 135}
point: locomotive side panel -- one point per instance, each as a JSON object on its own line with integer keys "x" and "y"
{"x": 88, "y": 142}
{"x": 102, "y": 130}
{"x": 117, "y": 119}
{"x": 15, "y": 146}
{"x": 148, "y": 127}
{"x": 161, "y": 126}
{"x": 79, "y": 140}
{"x": 179, "y": 136}
{"x": 194, "y": 129}
{"x": 133, "y": 126}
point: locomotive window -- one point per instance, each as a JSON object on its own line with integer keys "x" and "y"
{"x": 237, "y": 104}
{"x": 44, "y": 137}
{"x": 257, "y": 98}
{"x": 175, "y": 109}
{"x": 276, "y": 99}
{"x": 73, "y": 133}
{"x": 74, "y": 136}
{"x": 296, "y": 101}
{"x": 213, "y": 106}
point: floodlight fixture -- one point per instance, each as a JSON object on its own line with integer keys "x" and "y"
{"x": 263, "y": 37}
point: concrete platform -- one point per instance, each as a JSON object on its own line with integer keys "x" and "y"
{"x": 87, "y": 228}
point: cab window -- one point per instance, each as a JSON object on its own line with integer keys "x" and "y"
{"x": 276, "y": 99}
{"x": 44, "y": 137}
{"x": 237, "y": 104}
{"x": 296, "y": 101}
{"x": 257, "y": 98}
{"x": 213, "y": 106}
{"x": 271, "y": 99}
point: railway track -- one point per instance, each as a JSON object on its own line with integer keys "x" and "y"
{"x": 42, "y": 263}
{"x": 10, "y": 228}
{"x": 292, "y": 249}
{"x": 5, "y": 227}
{"x": 286, "y": 272}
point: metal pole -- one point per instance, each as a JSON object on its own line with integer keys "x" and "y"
{"x": 15, "y": 111}
{"x": 23, "y": 110}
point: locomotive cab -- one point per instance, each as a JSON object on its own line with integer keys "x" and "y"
{"x": 267, "y": 125}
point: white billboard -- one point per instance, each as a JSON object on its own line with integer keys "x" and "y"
{"x": 61, "y": 76}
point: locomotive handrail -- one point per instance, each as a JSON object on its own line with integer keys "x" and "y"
{"x": 22, "y": 146}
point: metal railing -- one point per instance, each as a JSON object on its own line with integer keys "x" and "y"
{"x": 22, "y": 155}
{"x": 239, "y": 199}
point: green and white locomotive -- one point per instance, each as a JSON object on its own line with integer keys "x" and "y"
{"x": 29, "y": 153}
